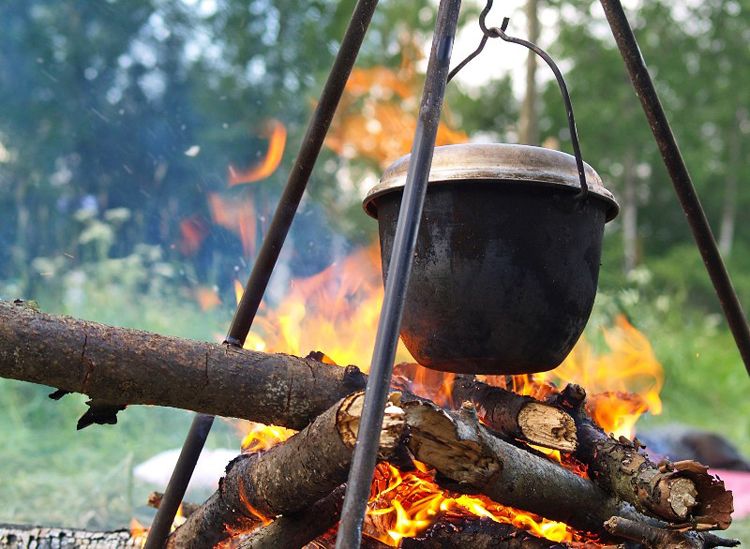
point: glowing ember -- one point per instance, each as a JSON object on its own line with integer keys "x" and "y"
{"x": 237, "y": 215}
{"x": 276, "y": 133}
{"x": 405, "y": 504}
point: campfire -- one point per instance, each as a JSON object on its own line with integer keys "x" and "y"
{"x": 465, "y": 460}
{"x": 591, "y": 437}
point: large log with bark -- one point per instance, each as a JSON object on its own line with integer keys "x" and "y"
{"x": 122, "y": 366}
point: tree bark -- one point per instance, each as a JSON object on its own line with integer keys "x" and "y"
{"x": 298, "y": 529}
{"x": 729, "y": 209}
{"x": 123, "y": 366}
{"x": 676, "y": 492}
{"x": 287, "y": 478}
{"x": 629, "y": 212}
{"x": 518, "y": 416}
{"x": 528, "y": 127}
{"x": 37, "y": 537}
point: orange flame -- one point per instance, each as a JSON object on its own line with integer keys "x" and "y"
{"x": 336, "y": 310}
{"x": 237, "y": 215}
{"x": 260, "y": 438}
{"x": 276, "y": 133}
{"x": 405, "y": 504}
{"x": 207, "y": 298}
{"x": 378, "y": 113}
{"x": 139, "y": 532}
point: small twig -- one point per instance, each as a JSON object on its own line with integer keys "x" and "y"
{"x": 660, "y": 538}
{"x": 154, "y": 500}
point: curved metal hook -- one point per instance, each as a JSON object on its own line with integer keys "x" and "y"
{"x": 482, "y": 42}
{"x": 494, "y": 32}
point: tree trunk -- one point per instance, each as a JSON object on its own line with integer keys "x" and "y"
{"x": 122, "y": 366}
{"x": 629, "y": 213}
{"x": 729, "y": 210}
{"x": 528, "y": 130}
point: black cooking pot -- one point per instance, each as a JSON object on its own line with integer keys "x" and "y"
{"x": 507, "y": 258}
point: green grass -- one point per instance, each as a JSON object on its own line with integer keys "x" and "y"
{"x": 54, "y": 475}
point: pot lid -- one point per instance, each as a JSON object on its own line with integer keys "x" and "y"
{"x": 499, "y": 162}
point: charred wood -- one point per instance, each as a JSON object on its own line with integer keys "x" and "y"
{"x": 287, "y": 478}
{"x": 38, "y": 537}
{"x": 477, "y": 534}
{"x": 682, "y": 492}
{"x": 518, "y": 416}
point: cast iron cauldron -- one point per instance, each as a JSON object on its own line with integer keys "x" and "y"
{"x": 507, "y": 257}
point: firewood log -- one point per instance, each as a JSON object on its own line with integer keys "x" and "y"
{"x": 463, "y": 450}
{"x": 518, "y": 416}
{"x": 662, "y": 538}
{"x": 296, "y": 529}
{"x": 289, "y": 477}
{"x": 676, "y": 492}
{"x": 123, "y": 366}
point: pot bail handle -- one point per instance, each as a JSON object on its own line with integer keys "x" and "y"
{"x": 495, "y": 32}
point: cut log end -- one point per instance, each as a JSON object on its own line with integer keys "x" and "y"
{"x": 683, "y": 496}
{"x": 548, "y": 426}
{"x": 394, "y": 422}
